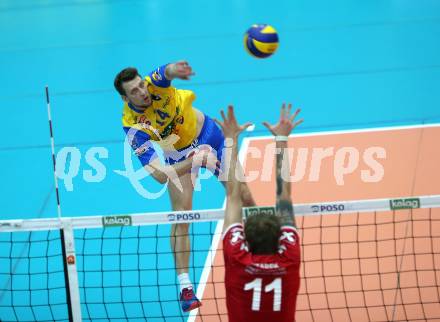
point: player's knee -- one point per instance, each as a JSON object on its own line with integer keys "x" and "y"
{"x": 180, "y": 229}
{"x": 182, "y": 202}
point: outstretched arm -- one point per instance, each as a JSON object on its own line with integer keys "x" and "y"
{"x": 180, "y": 69}
{"x": 163, "y": 75}
{"x": 281, "y": 131}
{"x": 231, "y": 131}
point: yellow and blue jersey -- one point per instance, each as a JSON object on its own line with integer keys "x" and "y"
{"x": 169, "y": 120}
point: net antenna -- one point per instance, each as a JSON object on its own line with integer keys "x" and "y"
{"x": 67, "y": 238}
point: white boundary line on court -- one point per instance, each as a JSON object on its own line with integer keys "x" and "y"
{"x": 210, "y": 257}
{"x": 242, "y": 155}
{"x": 372, "y": 129}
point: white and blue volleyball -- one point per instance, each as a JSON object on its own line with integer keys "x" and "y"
{"x": 261, "y": 40}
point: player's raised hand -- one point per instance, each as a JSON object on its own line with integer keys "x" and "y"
{"x": 230, "y": 126}
{"x": 286, "y": 123}
{"x": 180, "y": 69}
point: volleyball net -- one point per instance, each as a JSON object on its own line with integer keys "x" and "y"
{"x": 368, "y": 260}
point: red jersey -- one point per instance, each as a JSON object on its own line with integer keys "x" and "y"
{"x": 261, "y": 288}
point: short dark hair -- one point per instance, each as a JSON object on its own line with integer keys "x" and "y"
{"x": 262, "y": 232}
{"x": 125, "y": 75}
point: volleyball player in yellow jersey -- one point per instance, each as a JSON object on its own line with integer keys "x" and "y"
{"x": 156, "y": 111}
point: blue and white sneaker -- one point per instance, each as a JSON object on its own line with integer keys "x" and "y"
{"x": 188, "y": 300}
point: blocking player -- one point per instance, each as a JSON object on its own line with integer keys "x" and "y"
{"x": 262, "y": 257}
{"x": 155, "y": 111}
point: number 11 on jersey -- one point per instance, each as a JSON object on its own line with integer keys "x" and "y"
{"x": 256, "y": 286}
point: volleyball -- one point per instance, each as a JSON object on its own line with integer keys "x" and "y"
{"x": 261, "y": 40}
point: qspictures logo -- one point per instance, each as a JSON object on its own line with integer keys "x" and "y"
{"x": 115, "y": 221}
{"x": 303, "y": 163}
{"x": 406, "y": 203}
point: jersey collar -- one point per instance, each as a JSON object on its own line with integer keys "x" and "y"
{"x": 135, "y": 109}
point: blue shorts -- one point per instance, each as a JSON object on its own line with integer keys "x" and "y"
{"x": 209, "y": 135}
